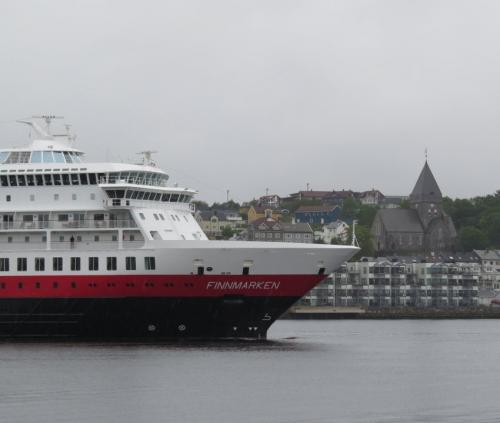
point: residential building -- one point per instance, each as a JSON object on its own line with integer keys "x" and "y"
{"x": 273, "y": 201}
{"x": 259, "y": 212}
{"x": 371, "y": 198}
{"x": 401, "y": 282}
{"x": 309, "y": 195}
{"x": 268, "y": 229}
{"x": 317, "y": 214}
{"x": 213, "y": 221}
{"x": 338, "y": 230}
{"x": 490, "y": 268}
{"x": 423, "y": 227}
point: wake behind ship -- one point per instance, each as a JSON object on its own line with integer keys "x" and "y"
{"x": 110, "y": 251}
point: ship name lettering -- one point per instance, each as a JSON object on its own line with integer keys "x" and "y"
{"x": 222, "y": 285}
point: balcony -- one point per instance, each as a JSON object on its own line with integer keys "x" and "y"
{"x": 78, "y": 224}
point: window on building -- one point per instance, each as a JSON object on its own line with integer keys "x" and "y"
{"x": 93, "y": 263}
{"x": 149, "y": 263}
{"x": 39, "y": 264}
{"x": 57, "y": 264}
{"x": 130, "y": 263}
{"x": 22, "y": 264}
{"x": 75, "y": 263}
{"x": 111, "y": 263}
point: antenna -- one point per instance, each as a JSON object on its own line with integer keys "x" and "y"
{"x": 147, "y": 157}
{"x": 426, "y": 155}
{"x": 355, "y": 242}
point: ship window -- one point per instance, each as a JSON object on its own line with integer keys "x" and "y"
{"x": 61, "y": 238}
{"x": 20, "y": 285}
{"x": 36, "y": 157}
{"x": 119, "y": 193}
{"x": 37, "y": 285}
{"x": 155, "y": 235}
{"x": 93, "y": 263}
{"x": 22, "y": 264}
{"x": 140, "y": 196}
{"x": 164, "y": 197}
{"x": 92, "y": 179}
{"x": 132, "y": 237}
{"x": 174, "y": 198}
{"x": 21, "y": 179}
{"x": 157, "y": 196}
{"x": 67, "y": 157}
{"x": 162, "y": 217}
{"x": 4, "y": 181}
{"x": 65, "y": 179}
{"x": 26, "y": 239}
{"x": 9, "y": 239}
{"x": 130, "y": 263}
{"x": 74, "y": 179}
{"x": 101, "y": 178}
{"x": 13, "y": 180}
{"x": 58, "y": 157}
{"x": 200, "y": 270}
{"x": 3, "y": 156}
{"x": 56, "y": 197}
{"x": 7, "y": 198}
{"x": 39, "y": 264}
{"x": 186, "y": 219}
{"x": 128, "y": 194}
{"x": 246, "y": 270}
{"x": 113, "y": 177}
{"x": 111, "y": 263}
{"x": 96, "y": 238}
{"x": 73, "y": 196}
{"x": 135, "y": 194}
{"x": 73, "y": 284}
{"x": 149, "y": 263}
{"x": 141, "y": 215}
{"x": 4, "y": 264}
{"x": 57, "y": 179}
{"x": 48, "y": 179}
{"x": 156, "y": 216}
{"x": 30, "y": 180}
{"x": 47, "y": 157}
{"x": 146, "y": 195}
{"x": 83, "y": 179}
{"x": 98, "y": 216}
{"x": 55, "y": 285}
{"x": 321, "y": 271}
{"x": 62, "y": 217}
{"x": 39, "y": 180}
{"x": 75, "y": 263}
{"x": 57, "y": 264}
{"x": 116, "y": 202}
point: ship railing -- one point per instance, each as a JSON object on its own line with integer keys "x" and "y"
{"x": 77, "y": 224}
{"x": 95, "y": 245}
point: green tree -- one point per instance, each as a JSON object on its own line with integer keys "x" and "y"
{"x": 366, "y": 215}
{"x": 227, "y": 232}
{"x": 405, "y": 204}
{"x": 472, "y": 238}
{"x": 350, "y": 209}
{"x": 365, "y": 241}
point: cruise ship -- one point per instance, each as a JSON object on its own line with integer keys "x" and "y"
{"x": 112, "y": 251}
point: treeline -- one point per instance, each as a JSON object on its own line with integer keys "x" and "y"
{"x": 477, "y": 221}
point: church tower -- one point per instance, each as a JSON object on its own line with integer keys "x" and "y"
{"x": 426, "y": 197}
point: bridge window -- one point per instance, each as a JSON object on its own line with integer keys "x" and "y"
{"x": 36, "y": 157}
{"x": 47, "y": 157}
{"x": 92, "y": 179}
{"x": 47, "y": 179}
{"x": 83, "y": 179}
{"x": 74, "y": 179}
{"x": 58, "y": 157}
{"x": 4, "y": 181}
{"x": 13, "y": 180}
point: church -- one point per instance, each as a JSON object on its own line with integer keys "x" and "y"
{"x": 423, "y": 227}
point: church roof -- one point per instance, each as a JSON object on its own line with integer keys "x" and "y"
{"x": 426, "y": 189}
{"x": 401, "y": 220}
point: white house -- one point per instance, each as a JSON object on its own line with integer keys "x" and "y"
{"x": 335, "y": 230}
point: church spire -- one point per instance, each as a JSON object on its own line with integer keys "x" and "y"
{"x": 426, "y": 189}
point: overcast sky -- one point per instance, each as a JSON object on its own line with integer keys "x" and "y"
{"x": 249, "y": 95}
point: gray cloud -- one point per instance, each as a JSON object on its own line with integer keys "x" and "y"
{"x": 249, "y": 95}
